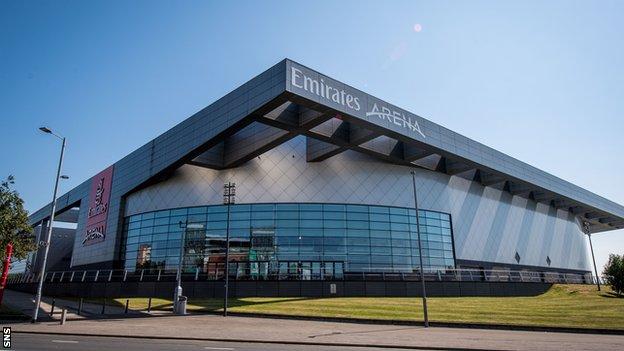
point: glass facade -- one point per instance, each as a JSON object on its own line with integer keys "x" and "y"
{"x": 310, "y": 239}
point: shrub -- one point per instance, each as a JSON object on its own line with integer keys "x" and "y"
{"x": 614, "y": 273}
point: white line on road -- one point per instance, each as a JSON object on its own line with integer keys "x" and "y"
{"x": 218, "y": 348}
{"x": 65, "y": 341}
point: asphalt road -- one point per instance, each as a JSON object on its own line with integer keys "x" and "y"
{"x": 32, "y": 342}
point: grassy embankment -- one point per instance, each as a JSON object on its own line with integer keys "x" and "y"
{"x": 578, "y": 306}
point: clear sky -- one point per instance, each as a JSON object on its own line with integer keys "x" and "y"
{"x": 539, "y": 80}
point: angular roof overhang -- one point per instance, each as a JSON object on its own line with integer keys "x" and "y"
{"x": 335, "y": 117}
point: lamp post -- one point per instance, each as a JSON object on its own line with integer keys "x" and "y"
{"x": 46, "y": 243}
{"x": 178, "y": 289}
{"x": 422, "y": 272}
{"x": 229, "y": 197}
{"x": 591, "y": 247}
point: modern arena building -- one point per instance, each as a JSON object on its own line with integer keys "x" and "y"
{"x": 324, "y": 191}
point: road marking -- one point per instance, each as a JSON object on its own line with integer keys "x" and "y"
{"x": 218, "y": 348}
{"x": 65, "y": 341}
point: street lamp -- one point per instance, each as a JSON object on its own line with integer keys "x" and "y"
{"x": 46, "y": 243}
{"x": 591, "y": 247}
{"x": 178, "y": 290}
{"x": 229, "y": 197}
{"x": 422, "y": 272}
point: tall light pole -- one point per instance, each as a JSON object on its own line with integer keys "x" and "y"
{"x": 178, "y": 289}
{"x": 422, "y": 272}
{"x": 229, "y": 197}
{"x": 591, "y": 247}
{"x": 46, "y": 243}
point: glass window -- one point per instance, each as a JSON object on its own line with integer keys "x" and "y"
{"x": 239, "y": 208}
{"x": 197, "y": 210}
{"x": 287, "y": 215}
{"x": 398, "y": 211}
{"x": 311, "y": 232}
{"x": 358, "y": 249}
{"x": 335, "y": 232}
{"x": 357, "y": 208}
{"x": 311, "y": 215}
{"x": 381, "y": 250}
{"x": 399, "y": 226}
{"x": 377, "y": 259}
{"x": 263, "y": 208}
{"x": 380, "y": 225}
{"x": 262, "y": 223}
{"x": 380, "y": 234}
{"x": 357, "y": 216}
{"x": 403, "y": 251}
{"x": 357, "y": 233}
{"x": 217, "y": 209}
{"x": 379, "y": 217}
{"x": 333, "y": 241}
{"x": 286, "y": 232}
{"x": 379, "y": 209}
{"x": 355, "y": 237}
{"x": 287, "y": 207}
{"x": 216, "y": 225}
{"x": 380, "y": 242}
{"x": 179, "y": 212}
{"x": 287, "y": 223}
{"x": 357, "y": 224}
{"x": 334, "y": 224}
{"x": 239, "y": 224}
{"x": 310, "y": 207}
{"x": 311, "y": 223}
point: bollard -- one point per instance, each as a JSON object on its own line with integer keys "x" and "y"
{"x": 103, "y": 305}
{"x": 79, "y": 306}
{"x": 52, "y": 309}
{"x": 149, "y": 305}
{"x": 63, "y": 315}
{"x": 127, "y": 302}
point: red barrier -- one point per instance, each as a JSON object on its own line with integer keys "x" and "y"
{"x": 5, "y": 269}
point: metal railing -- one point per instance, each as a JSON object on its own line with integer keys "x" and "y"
{"x": 442, "y": 275}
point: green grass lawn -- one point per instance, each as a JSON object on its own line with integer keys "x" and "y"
{"x": 562, "y": 306}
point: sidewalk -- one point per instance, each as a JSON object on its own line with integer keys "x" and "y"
{"x": 24, "y": 303}
{"x": 249, "y": 329}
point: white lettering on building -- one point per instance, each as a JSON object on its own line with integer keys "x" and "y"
{"x": 395, "y": 117}
{"x": 323, "y": 89}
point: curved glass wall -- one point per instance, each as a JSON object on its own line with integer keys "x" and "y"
{"x": 309, "y": 239}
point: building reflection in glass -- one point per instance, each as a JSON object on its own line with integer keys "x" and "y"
{"x": 304, "y": 241}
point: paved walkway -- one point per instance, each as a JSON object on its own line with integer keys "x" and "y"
{"x": 24, "y": 303}
{"x": 213, "y": 327}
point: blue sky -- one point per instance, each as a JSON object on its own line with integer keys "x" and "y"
{"x": 540, "y": 81}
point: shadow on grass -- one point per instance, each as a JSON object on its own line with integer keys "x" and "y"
{"x": 611, "y": 295}
{"x": 197, "y": 304}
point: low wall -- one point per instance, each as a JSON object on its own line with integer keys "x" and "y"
{"x": 208, "y": 289}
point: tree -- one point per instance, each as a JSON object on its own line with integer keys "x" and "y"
{"x": 614, "y": 273}
{"x": 14, "y": 227}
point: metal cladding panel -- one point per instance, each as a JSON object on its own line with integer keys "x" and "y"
{"x": 168, "y": 150}
{"x": 489, "y": 225}
{"x": 399, "y": 123}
